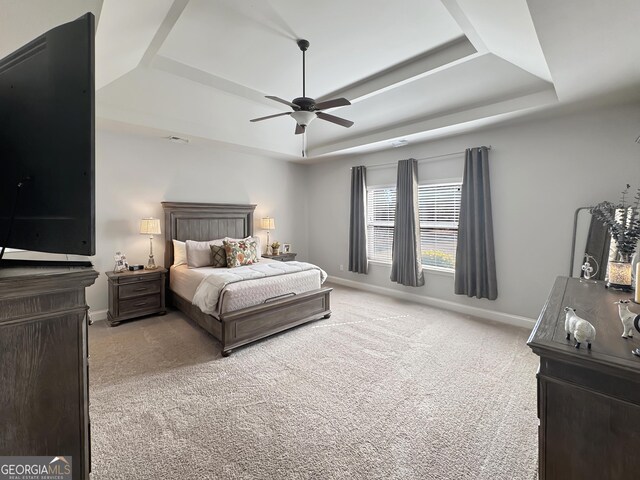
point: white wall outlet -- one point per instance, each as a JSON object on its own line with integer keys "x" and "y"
{"x": 342, "y": 268}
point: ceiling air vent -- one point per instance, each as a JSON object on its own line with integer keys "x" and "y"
{"x": 399, "y": 143}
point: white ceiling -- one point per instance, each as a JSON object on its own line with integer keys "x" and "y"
{"x": 417, "y": 69}
{"x": 257, "y": 49}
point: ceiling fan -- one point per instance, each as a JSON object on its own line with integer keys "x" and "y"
{"x": 305, "y": 109}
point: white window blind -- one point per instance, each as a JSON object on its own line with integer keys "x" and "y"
{"x": 439, "y": 208}
{"x": 381, "y": 208}
{"x": 439, "y": 216}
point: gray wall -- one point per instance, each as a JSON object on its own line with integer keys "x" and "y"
{"x": 541, "y": 171}
{"x": 135, "y": 173}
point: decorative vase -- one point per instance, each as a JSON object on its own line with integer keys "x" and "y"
{"x": 620, "y": 274}
{"x": 275, "y": 251}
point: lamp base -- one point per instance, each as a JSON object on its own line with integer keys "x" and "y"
{"x": 151, "y": 264}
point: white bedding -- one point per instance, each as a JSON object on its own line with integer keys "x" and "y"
{"x": 219, "y": 290}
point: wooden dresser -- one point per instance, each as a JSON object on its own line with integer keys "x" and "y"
{"x": 44, "y": 371}
{"x": 588, "y": 401}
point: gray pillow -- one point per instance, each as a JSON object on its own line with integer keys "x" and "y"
{"x": 199, "y": 253}
{"x": 219, "y": 256}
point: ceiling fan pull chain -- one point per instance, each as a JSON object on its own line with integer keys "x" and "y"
{"x": 304, "y": 90}
{"x": 304, "y": 144}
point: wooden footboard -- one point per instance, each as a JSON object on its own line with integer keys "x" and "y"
{"x": 253, "y": 323}
{"x": 247, "y": 325}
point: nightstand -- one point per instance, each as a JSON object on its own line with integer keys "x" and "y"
{"x": 283, "y": 257}
{"x": 135, "y": 294}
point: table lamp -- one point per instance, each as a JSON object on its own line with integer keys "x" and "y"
{"x": 268, "y": 224}
{"x": 151, "y": 227}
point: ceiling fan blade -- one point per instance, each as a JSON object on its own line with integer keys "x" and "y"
{"x": 299, "y": 129}
{"x": 334, "y": 119}
{"x": 270, "y": 116}
{"x": 282, "y": 100}
{"x": 336, "y": 102}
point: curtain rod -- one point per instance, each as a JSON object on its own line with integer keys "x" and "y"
{"x": 419, "y": 159}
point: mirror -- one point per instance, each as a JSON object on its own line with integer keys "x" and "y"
{"x": 591, "y": 241}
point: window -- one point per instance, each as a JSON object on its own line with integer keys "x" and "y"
{"x": 439, "y": 208}
{"x": 381, "y": 208}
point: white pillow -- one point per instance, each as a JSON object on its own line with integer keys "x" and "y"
{"x": 199, "y": 253}
{"x": 179, "y": 253}
{"x": 253, "y": 239}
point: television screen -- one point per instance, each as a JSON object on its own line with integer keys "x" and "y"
{"x": 47, "y": 152}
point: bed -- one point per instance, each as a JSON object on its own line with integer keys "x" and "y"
{"x": 234, "y": 328}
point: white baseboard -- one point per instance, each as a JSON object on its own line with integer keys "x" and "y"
{"x": 97, "y": 315}
{"x": 507, "y": 318}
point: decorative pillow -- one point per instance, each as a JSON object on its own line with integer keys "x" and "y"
{"x": 248, "y": 239}
{"x": 199, "y": 253}
{"x": 179, "y": 253}
{"x": 241, "y": 253}
{"x": 219, "y": 256}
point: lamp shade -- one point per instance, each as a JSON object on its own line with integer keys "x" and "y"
{"x": 268, "y": 223}
{"x": 150, "y": 226}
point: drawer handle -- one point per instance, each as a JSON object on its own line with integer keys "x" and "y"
{"x": 140, "y": 304}
{"x": 141, "y": 289}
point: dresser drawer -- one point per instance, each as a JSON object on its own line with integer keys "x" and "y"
{"x": 139, "y": 289}
{"x": 149, "y": 302}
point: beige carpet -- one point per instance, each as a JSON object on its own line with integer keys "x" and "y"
{"x": 384, "y": 389}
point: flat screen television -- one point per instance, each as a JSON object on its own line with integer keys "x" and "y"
{"x": 47, "y": 142}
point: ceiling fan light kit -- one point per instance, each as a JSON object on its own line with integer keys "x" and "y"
{"x": 303, "y": 117}
{"x": 305, "y": 109}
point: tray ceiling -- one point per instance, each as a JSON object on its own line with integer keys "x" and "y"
{"x": 417, "y": 69}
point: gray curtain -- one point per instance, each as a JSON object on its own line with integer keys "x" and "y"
{"x": 406, "y": 267}
{"x": 475, "y": 274}
{"x": 358, "y": 261}
{"x": 598, "y": 244}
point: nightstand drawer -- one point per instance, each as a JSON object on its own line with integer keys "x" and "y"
{"x": 139, "y": 289}
{"x": 144, "y": 277}
{"x": 282, "y": 257}
{"x": 149, "y": 302}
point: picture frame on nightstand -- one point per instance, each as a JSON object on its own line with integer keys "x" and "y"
{"x": 286, "y": 248}
{"x": 121, "y": 262}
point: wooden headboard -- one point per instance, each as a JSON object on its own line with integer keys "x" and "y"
{"x": 204, "y": 221}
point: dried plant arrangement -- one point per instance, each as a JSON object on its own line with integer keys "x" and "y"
{"x": 623, "y": 222}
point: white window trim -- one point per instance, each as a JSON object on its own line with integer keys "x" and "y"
{"x": 437, "y": 270}
{"x": 377, "y": 187}
{"x": 443, "y": 181}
